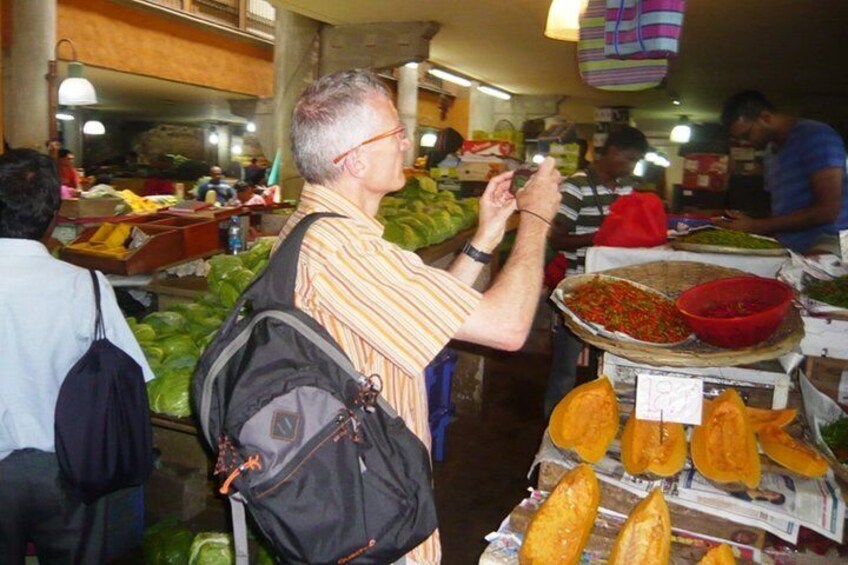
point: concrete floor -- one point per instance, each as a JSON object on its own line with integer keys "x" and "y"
{"x": 484, "y": 474}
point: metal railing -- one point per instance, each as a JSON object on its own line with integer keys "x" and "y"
{"x": 253, "y": 16}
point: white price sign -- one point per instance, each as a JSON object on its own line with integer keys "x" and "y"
{"x": 669, "y": 399}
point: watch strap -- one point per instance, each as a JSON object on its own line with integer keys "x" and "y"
{"x": 476, "y": 254}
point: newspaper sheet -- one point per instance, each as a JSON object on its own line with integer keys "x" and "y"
{"x": 813, "y": 503}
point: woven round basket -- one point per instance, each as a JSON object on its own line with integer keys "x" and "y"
{"x": 705, "y": 248}
{"x": 671, "y": 278}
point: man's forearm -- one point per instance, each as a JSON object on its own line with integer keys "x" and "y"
{"x": 804, "y": 218}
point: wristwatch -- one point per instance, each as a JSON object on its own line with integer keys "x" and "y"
{"x": 476, "y": 254}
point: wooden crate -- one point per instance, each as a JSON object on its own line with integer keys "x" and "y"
{"x": 164, "y": 247}
{"x": 200, "y": 235}
{"x": 89, "y": 207}
{"x": 763, "y": 385}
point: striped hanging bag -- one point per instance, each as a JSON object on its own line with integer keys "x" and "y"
{"x": 602, "y": 72}
{"x": 643, "y": 29}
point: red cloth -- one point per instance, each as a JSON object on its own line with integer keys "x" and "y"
{"x": 69, "y": 176}
{"x": 158, "y": 186}
{"x": 634, "y": 220}
{"x": 555, "y": 270}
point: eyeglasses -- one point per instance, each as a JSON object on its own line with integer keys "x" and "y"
{"x": 394, "y": 131}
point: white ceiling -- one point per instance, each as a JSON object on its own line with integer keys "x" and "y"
{"x": 793, "y": 50}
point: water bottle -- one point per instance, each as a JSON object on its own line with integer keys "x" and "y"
{"x": 235, "y": 237}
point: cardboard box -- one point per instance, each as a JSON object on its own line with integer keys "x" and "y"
{"x": 479, "y": 170}
{"x": 825, "y": 337}
{"x": 90, "y": 207}
{"x": 705, "y": 171}
{"x": 494, "y": 147}
{"x": 830, "y": 377}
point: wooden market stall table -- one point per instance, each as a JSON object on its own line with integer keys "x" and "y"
{"x": 600, "y": 258}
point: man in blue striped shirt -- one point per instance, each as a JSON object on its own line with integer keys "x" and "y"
{"x": 804, "y": 173}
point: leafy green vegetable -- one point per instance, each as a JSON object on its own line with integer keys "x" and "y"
{"x": 167, "y": 543}
{"x": 833, "y": 292}
{"x": 182, "y": 343}
{"x": 211, "y": 548}
{"x": 729, "y": 238}
{"x": 835, "y": 435}
{"x": 143, "y": 332}
{"x": 169, "y": 393}
{"x": 165, "y": 323}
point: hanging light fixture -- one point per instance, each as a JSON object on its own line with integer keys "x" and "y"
{"x": 213, "y": 135}
{"x": 74, "y": 90}
{"x": 64, "y": 116}
{"x": 93, "y": 127}
{"x": 250, "y": 127}
{"x": 564, "y": 19}
{"x": 682, "y": 131}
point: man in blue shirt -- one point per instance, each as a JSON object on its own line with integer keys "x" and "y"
{"x": 223, "y": 191}
{"x": 804, "y": 173}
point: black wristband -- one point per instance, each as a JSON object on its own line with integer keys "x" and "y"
{"x": 476, "y": 254}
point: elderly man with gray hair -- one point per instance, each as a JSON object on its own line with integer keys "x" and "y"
{"x": 389, "y": 312}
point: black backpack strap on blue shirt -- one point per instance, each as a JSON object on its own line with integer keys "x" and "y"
{"x": 99, "y": 330}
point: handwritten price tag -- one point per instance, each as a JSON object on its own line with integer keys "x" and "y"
{"x": 670, "y": 399}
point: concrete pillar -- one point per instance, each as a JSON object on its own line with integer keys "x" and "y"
{"x": 481, "y": 109}
{"x": 25, "y": 91}
{"x": 223, "y": 158}
{"x": 72, "y": 133}
{"x": 294, "y": 70}
{"x": 407, "y": 105}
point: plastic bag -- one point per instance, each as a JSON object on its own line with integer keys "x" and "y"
{"x": 634, "y": 220}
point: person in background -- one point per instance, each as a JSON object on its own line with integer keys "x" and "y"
{"x": 586, "y": 198}
{"x": 805, "y": 174}
{"x": 387, "y": 310}
{"x": 253, "y": 173}
{"x": 247, "y": 196}
{"x": 224, "y": 193}
{"x": 67, "y": 171}
{"x": 48, "y": 324}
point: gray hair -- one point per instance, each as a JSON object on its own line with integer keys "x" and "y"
{"x": 332, "y": 116}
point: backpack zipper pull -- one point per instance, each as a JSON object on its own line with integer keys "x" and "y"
{"x": 251, "y": 463}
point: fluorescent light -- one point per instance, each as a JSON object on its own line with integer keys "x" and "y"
{"x": 662, "y": 162}
{"x": 428, "y": 140}
{"x": 639, "y": 169}
{"x": 564, "y": 19}
{"x": 676, "y": 102}
{"x": 444, "y": 75}
{"x": 494, "y": 92}
{"x": 250, "y": 127}
{"x": 213, "y": 136}
{"x": 93, "y": 127}
{"x": 651, "y": 156}
{"x": 538, "y": 158}
{"x": 76, "y": 90}
{"x": 411, "y": 65}
{"x": 64, "y": 117}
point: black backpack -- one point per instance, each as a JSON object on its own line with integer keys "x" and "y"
{"x": 326, "y": 468}
{"x": 102, "y": 422}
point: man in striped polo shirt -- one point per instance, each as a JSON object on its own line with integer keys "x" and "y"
{"x": 388, "y": 311}
{"x": 805, "y": 174}
{"x": 586, "y": 198}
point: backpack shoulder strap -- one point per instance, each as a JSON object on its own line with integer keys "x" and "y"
{"x": 275, "y": 287}
{"x": 99, "y": 330}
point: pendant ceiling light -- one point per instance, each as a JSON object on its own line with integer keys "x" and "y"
{"x": 93, "y": 127}
{"x": 564, "y": 19}
{"x": 76, "y": 90}
{"x": 682, "y": 132}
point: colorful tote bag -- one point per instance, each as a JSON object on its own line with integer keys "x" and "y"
{"x": 643, "y": 29}
{"x": 605, "y": 73}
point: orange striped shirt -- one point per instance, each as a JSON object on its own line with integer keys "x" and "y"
{"x": 388, "y": 311}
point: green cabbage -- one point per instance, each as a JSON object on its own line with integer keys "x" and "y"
{"x": 153, "y": 354}
{"x": 169, "y": 394}
{"x": 165, "y": 323}
{"x": 143, "y": 332}
{"x": 175, "y": 344}
{"x": 191, "y": 311}
{"x": 212, "y": 548}
{"x": 167, "y": 543}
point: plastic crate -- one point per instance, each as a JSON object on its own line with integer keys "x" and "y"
{"x": 438, "y": 377}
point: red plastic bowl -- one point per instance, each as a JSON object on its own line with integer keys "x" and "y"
{"x": 740, "y": 331}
